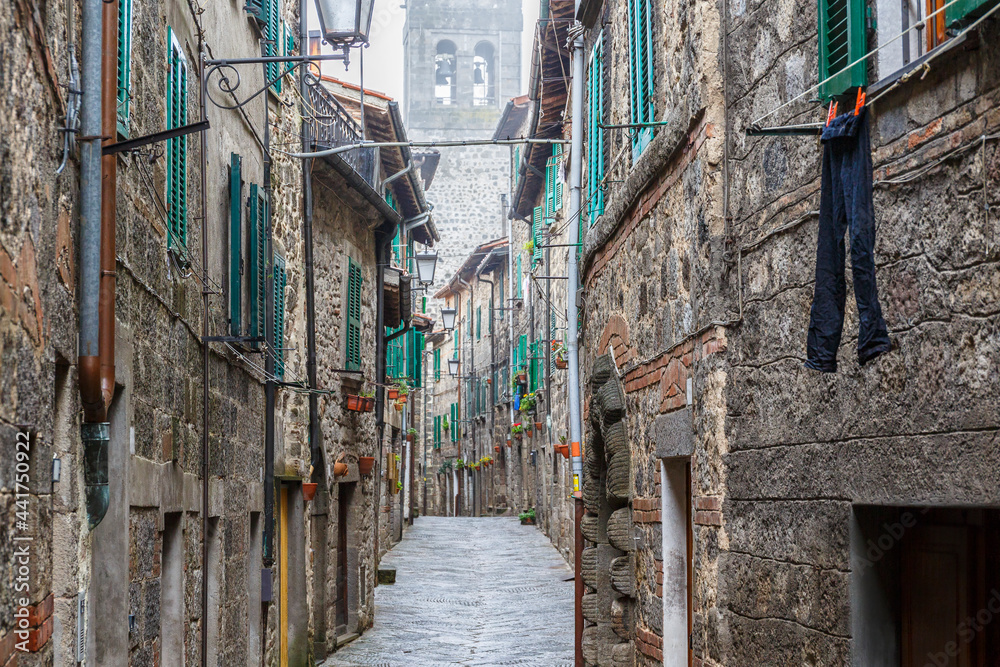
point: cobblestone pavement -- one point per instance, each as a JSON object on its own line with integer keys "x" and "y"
{"x": 470, "y": 591}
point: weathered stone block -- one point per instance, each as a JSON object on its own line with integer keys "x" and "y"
{"x": 620, "y": 530}
{"x": 672, "y": 435}
{"x": 623, "y": 575}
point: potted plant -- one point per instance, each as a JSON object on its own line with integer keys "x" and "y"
{"x": 496, "y": 448}
{"x": 517, "y": 430}
{"x": 538, "y": 426}
{"x": 309, "y": 488}
{"x": 522, "y": 376}
{"x": 365, "y": 465}
{"x": 339, "y": 469}
{"x": 393, "y": 393}
{"x": 559, "y": 352}
{"x": 562, "y": 448}
{"x": 368, "y": 400}
{"x": 444, "y": 423}
{"x": 529, "y": 247}
{"x": 527, "y": 518}
{"x": 399, "y": 486}
{"x": 528, "y": 402}
{"x": 398, "y": 405}
{"x": 459, "y": 464}
{"x": 355, "y": 403}
{"x": 411, "y": 435}
{"x": 403, "y": 392}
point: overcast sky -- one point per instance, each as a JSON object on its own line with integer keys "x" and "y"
{"x": 384, "y": 58}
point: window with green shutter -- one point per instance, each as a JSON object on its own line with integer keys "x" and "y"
{"x": 124, "y": 65}
{"x": 517, "y": 279}
{"x": 553, "y": 185}
{"x": 490, "y": 316}
{"x": 536, "y": 233}
{"x": 258, "y": 259}
{"x": 479, "y": 322}
{"x": 273, "y": 41}
{"x": 522, "y": 352}
{"x": 235, "y": 245}
{"x": 503, "y": 301}
{"x": 353, "y": 341}
{"x": 437, "y": 364}
{"x": 641, "y": 72}
{"x": 595, "y": 135}
{"x": 842, "y": 41}
{"x": 280, "y": 279}
{"x": 517, "y": 164}
{"x": 176, "y": 189}
{"x": 454, "y": 422}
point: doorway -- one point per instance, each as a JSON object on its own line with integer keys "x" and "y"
{"x": 678, "y": 543}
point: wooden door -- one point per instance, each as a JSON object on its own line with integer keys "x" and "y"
{"x": 341, "y": 599}
{"x": 938, "y": 595}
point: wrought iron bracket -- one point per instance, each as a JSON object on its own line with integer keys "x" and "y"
{"x": 223, "y": 66}
{"x": 155, "y": 138}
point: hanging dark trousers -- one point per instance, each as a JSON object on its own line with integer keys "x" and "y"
{"x": 845, "y": 204}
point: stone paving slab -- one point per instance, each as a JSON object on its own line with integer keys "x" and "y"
{"x": 469, "y": 591}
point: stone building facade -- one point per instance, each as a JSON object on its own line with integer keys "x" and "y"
{"x": 285, "y": 583}
{"x": 734, "y": 497}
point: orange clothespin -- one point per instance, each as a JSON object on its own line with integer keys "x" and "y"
{"x": 861, "y": 102}
{"x": 832, "y": 114}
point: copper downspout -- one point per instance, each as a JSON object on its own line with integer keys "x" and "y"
{"x": 97, "y": 373}
{"x": 109, "y": 186}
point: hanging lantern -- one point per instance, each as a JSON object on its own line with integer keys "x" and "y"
{"x": 426, "y": 264}
{"x": 453, "y": 367}
{"x": 448, "y": 318}
{"x": 345, "y": 22}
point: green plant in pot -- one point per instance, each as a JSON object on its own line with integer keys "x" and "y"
{"x": 459, "y": 464}
{"x": 528, "y": 402}
{"x": 411, "y": 435}
{"x": 517, "y": 430}
{"x": 444, "y": 424}
{"x": 527, "y": 518}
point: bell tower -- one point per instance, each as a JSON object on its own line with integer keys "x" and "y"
{"x": 463, "y": 64}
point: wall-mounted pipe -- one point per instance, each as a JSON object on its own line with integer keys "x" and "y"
{"x": 109, "y": 186}
{"x": 95, "y": 438}
{"x": 89, "y": 368}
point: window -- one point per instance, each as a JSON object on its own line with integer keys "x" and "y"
{"x": 595, "y": 135}
{"x": 437, "y": 364}
{"x": 235, "y": 245}
{"x": 437, "y": 432}
{"x": 353, "y": 342}
{"x": 444, "y": 73}
{"x": 894, "y": 17}
{"x": 124, "y": 65}
{"x": 536, "y": 233}
{"x": 640, "y": 52}
{"x": 483, "y": 89}
{"x": 280, "y": 279}
{"x": 454, "y": 422}
{"x": 258, "y": 254}
{"x": 176, "y": 188}
{"x": 842, "y": 41}
{"x": 553, "y": 185}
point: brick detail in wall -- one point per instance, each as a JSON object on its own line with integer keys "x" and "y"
{"x": 649, "y": 643}
{"x": 38, "y": 634}
{"x": 659, "y": 578}
{"x": 648, "y": 200}
{"x": 20, "y": 297}
{"x": 669, "y": 369}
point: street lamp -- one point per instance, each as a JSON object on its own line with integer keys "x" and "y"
{"x": 448, "y": 318}
{"x": 453, "y": 367}
{"x": 345, "y": 22}
{"x": 426, "y": 264}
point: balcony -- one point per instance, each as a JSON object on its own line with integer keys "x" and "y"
{"x": 333, "y": 126}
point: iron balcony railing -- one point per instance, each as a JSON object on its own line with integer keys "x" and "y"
{"x": 333, "y": 126}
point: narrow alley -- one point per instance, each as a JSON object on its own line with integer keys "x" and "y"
{"x": 470, "y": 591}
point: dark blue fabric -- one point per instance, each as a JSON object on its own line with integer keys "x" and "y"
{"x": 845, "y": 204}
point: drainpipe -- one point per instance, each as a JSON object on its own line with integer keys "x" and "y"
{"x": 315, "y": 446}
{"x": 94, "y": 432}
{"x": 390, "y": 179}
{"x": 572, "y": 345}
{"x": 493, "y": 366}
{"x": 382, "y": 253}
{"x": 109, "y": 186}
{"x": 472, "y": 429}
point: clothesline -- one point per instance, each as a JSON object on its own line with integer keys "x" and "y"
{"x": 920, "y": 24}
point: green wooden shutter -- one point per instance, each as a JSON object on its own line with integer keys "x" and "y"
{"x": 522, "y": 351}
{"x": 490, "y": 316}
{"x": 517, "y": 279}
{"x": 258, "y": 219}
{"x": 273, "y": 41}
{"x": 536, "y": 233}
{"x": 641, "y": 72}
{"x": 503, "y": 301}
{"x": 842, "y": 40}
{"x": 557, "y": 184}
{"x": 353, "y": 342}
{"x": 517, "y": 164}
{"x": 176, "y": 189}
{"x": 124, "y": 65}
{"x": 279, "y": 316}
{"x": 479, "y": 322}
{"x": 595, "y": 135}
{"x": 966, "y": 9}
{"x": 235, "y": 245}
{"x": 454, "y": 422}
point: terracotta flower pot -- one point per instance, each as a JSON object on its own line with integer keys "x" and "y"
{"x": 366, "y": 464}
{"x": 562, "y": 363}
{"x": 309, "y": 490}
{"x": 562, "y": 449}
{"x": 399, "y": 406}
{"x": 355, "y": 403}
{"x": 410, "y": 437}
{"x": 496, "y": 448}
{"x": 370, "y": 404}
{"x": 339, "y": 469}
{"x": 402, "y": 398}
{"x": 393, "y": 394}
{"x": 538, "y": 426}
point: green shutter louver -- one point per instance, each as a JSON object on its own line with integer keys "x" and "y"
{"x": 273, "y": 39}
{"x": 479, "y": 322}
{"x": 842, "y": 41}
{"x": 124, "y": 65}
{"x": 454, "y": 422}
{"x": 258, "y": 260}
{"x": 176, "y": 187}
{"x": 536, "y": 233}
{"x": 235, "y": 245}
{"x": 641, "y": 72}
{"x": 595, "y": 135}
{"x": 517, "y": 278}
{"x": 966, "y": 9}
{"x": 280, "y": 279}
{"x": 437, "y": 364}
{"x": 353, "y": 342}
{"x": 503, "y": 301}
